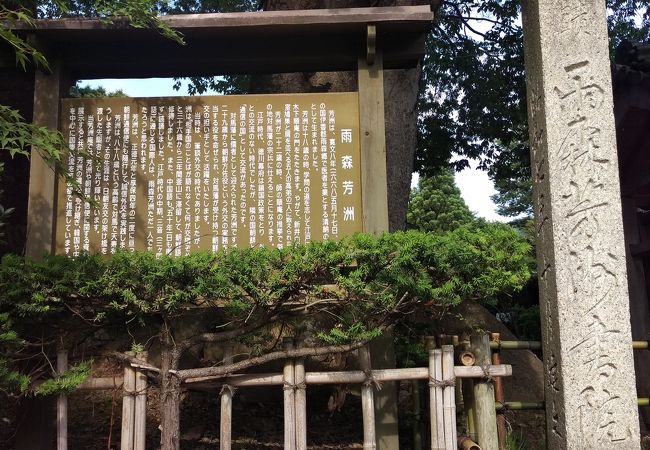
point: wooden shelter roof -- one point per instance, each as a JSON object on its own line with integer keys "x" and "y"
{"x": 254, "y": 42}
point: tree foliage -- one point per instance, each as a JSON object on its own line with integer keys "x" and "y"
{"x": 356, "y": 286}
{"x": 78, "y": 91}
{"x": 473, "y": 97}
{"x": 436, "y": 204}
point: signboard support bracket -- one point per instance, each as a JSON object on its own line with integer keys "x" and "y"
{"x": 371, "y": 43}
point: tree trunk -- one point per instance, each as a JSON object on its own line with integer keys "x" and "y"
{"x": 170, "y": 393}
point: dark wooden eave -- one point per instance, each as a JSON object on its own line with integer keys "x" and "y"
{"x": 236, "y": 43}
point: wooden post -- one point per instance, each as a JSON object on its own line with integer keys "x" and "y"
{"x": 289, "y": 399}
{"x": 434, "y": 398}
{"x": 367, "y": 401}
{"x": 128, "y": 409}
{"x": 41, "y": 208}
{"x": 140, "y": 420}
{"x": 374, "y": 199}
{"x": 62, "y": 405}
{"x": 486, "y": 420}
{"x": 225, "y": 421}
{"x": 301, "y": 405}
{"x": 499, "y": 395}
{"x": 448, "y": 394}
{"x": 374, "y": 183}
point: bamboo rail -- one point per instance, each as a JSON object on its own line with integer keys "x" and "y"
{"x": 537, "y": 345}
{"x": 352, "y": 376}
{"x": 101, "y": 383}
{"x": 519, "y": 406}
{"x": 532, "y": 406}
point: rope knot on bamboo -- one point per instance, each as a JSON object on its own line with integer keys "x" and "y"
{"x": 486, "y": 373}
{"x": 371, "y": 381}
{"x": 293, "y": 386}
{"x": 226, "y": 388}
{"x": 442, "y": 383}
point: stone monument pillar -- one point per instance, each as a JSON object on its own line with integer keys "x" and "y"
{"x": 589, "y": 370}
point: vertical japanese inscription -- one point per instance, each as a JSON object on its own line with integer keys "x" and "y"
{"x": 175, "y": 175}
{"x": 593, "y": 267}
{"x": 590, "y": 389}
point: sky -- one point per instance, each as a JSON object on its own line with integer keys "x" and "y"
{"x": 475, "y": 186}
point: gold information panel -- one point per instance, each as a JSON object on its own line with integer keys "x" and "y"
{"x": 179, "y": 174}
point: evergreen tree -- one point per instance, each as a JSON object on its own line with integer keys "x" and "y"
{"x": 437, "y": 206}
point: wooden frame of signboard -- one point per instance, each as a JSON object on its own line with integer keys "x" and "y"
{"x": 367, "y": 40}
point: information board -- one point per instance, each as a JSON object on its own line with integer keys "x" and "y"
{"x": 179, "y": 174}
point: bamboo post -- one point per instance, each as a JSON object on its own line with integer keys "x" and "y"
{"x": 467, "y": 358}
{"x": 434, "y": 428}
{"x": 448, "y": 394}
{"x": 470, "y": 408}
{"x": 225, "y": 419}
{"x": 62, "y": 405}
{"x": 460, "y": 406}
{"x": 417, "y": 415}
{"x": 367, "y": 401}
{"x": 128, "y": 408}
{"x": 460, "y": 400}
{"x": 499, "y": 395}
{"x": 140, "y": 422}
{"x": 301, "y": 404}
{"x": 289, "y": 399}
{"x": 439, "y": 405}
{"x": 486, "y": 420}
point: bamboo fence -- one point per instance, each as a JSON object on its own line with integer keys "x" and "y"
{"x": 441, "y": 375}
